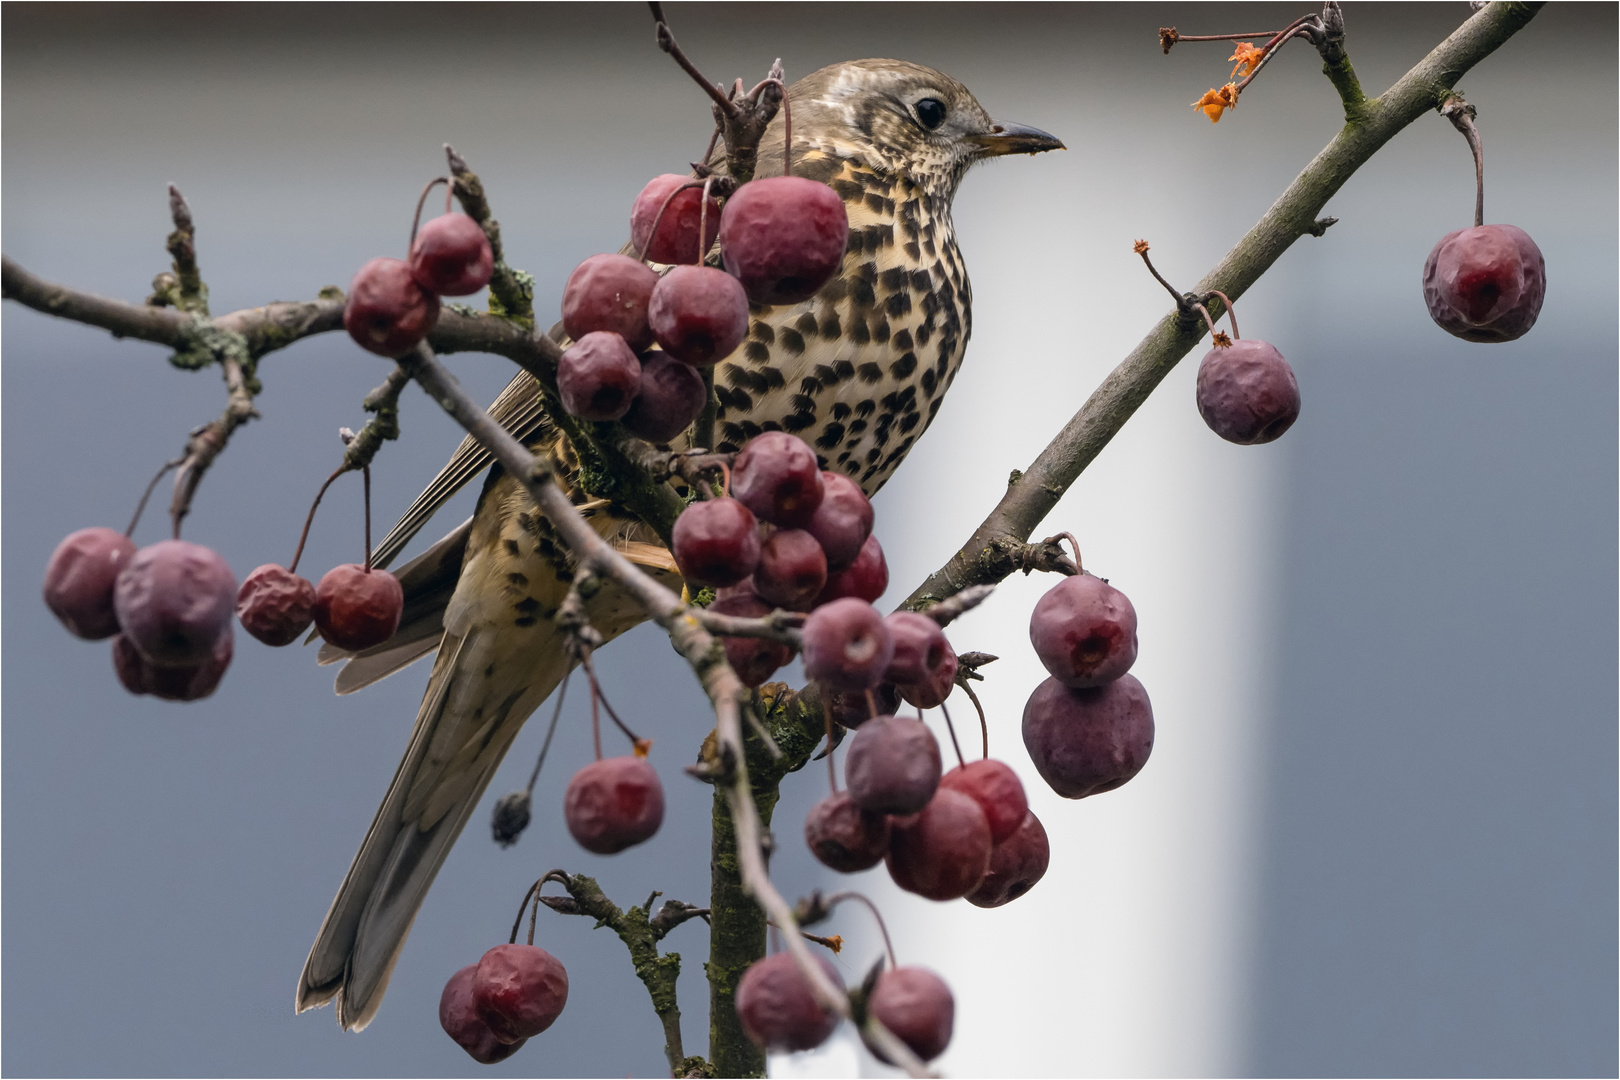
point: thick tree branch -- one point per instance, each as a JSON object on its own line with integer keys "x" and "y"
{"x": 1032, "y": 494}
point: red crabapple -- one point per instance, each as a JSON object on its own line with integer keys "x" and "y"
{"x": 614, "y": 803}
{"x": 783, "y": 238}
{"x": 451, "y": 256}
{"x": 846, "y": 645}
{"x": 792, "y": 569}
{"x": 753, "y": 659}
{"x": 776, "y": 476}
{"x": 670, "y": 397}
{"x": 842, "y": 521}
{"x": 867, "y": 577}
{"x": 698, "y": 314}
{"x": 676, "y": 240}
{"x": 1485, "y": 283}
{"x": 275, "y": 605}
{"x": 80, "y": 577}
{"x": 943, "y": 852}
{"x": 519, "y": 991}
{"x": 598, "y": 378}
{"x": 844, "y": 837}
{"x": 173, "y": 599}
{"x": 609, "y": 294}
{"x": 356, "y": 608}
{"x": 187, "y": 682}
{"x": 1085, "y": 742}
{"x": 460, "y": 1020}
{"x": 1016, "y": 864}
{"x": 778, "y": 1009}
{"x": 917, "y": 1007}
{"x": 892, "y": 765}
{"x": 1247, "y": 393}
{"x": 1084, "y": 631}
{"x": 997, "y": 790}
{"x": 386, "y": 311}
{"x": 716, "y": 542}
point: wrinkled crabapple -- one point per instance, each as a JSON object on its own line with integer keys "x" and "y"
{"x": 275, "y": 605}
{"x": 716, "y": 542}
{"x": 451, "y": 256}
{"x": 671, "y": 396}
{"x": 846, "y": 645}
{"x": 460, "y": 1020}
{"x": 917, "y": 1007}
{"x": 1247, "y": 393}
{"x": 1084, "y": 631}
{"x": 997, "y": 790}
{"x": 892, "y": 765}
{"x": 80, "y": 577}
{"x": 676, "y": 240}
{"x": 173, "y": 599}
{"x": 1485, "y": 283}
{"x": 844, "y": 837}
{"x": 386, "y": 311}
{"x": 614, "y": 803}
{"x": 867, "y": 577}
{"x": 356, "y": 608}
{"x": 1016, "y": 864}
{"x": 778, "y": 1009}
{"x": 698, "y": 314}
{"x": 609, "y": 294}
{"x": 186, "y": 682}
{"x": 792, "y": 569}
{"x": 942, "y": 852}
{"x": 919, "y": 647}
{"x": 783, "y": 238}
{"x": 777, "y": 477}
{"x": 753, "y": 659}
{"x": 598, "y": 378}
{"x": 1085, "y": 742}
{"x": 842, "y": 521}
{"x": 853, "y": 708}
{"x": 519, "y": 991}
{"x": 932, "y": 691}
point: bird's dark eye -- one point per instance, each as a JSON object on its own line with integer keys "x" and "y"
{"x": 930, "y": 112}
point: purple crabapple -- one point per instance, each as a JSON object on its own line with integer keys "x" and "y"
{"x": 792, "y": 569}
{"x": 778, "y": 1009}
{"x": 892, "y": 765}
{"x": 356, "y": 608}
{"x": 753, "y": 659}
{"x": 173, "y": 599}
{"x": 1086, "y": 742}
{"x": 671, "y": 396}
{"x": 460, "y": 1020}
{"x": 519, "y": 991}
{"x": 920, "y": 648}
{"x": 852, "y": 708}
{"x": 1247, "y": 393}
{"x": 783, "y": 238}
{"x": 187, "y": 682}
{"x": 451, "y": 256}
{"x": 1485, "y": 283}
{"x": 676, "y": 240}
{"x": 844, "y": 837}
{"x": 275, "y": 605}
{"x": 80, "y": 577}
{"x": 1016, "y": 865}
{"x": 846, "y": 645}
{"x": 386, "y": 311}
{"x": 614, "y": 803}
{"x": 716, "y": 542}
{"x": 777, "y": 477}
{"x": 698, "y": 314}
{"x": 917, "y": 1008}
{"x": 932, "y": 691}
{"x": 598, "y": 378}
{"x": 942, "y": 852}
{"x": 866, "y": 578}
{"x": 842, "y": 521}
{"x": 997, "y": 790}
{"x": 1084, "y": 631}
{"x": 609, "y": 294}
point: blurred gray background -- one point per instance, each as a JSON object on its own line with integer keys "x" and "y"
{"x": 1378, "y": 835}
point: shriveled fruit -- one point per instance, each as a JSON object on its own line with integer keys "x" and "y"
{"x": 843, "y": 836}
{"x": 519, "y": 991}
{"x": 783, "y": 238}
{"x": 917, "y": 1007}
{"x": 1084, "y": 631}
{"x": 451, "y": 256}
{"x": 460, "y": 1020}
{"x": 613, "y": 804}
{"x": 1485, "y": 283}
{"x": 676, "y": 240}
{"x": 942, "y": 852}
{"x": 920, "y": 647}
{"x": 173, "y": 599}
{"x": 1085, "y": 742}
{"x": 698, "y": 314}
{"x": 186, "y": 682}
{"x": 931, "y": 692}
{"x": 1016, "y": 864}
{"x": 670, "y": 397}
{"x": 997, "y": 790}
{"x": 776, "y": 476}
{"x": 716, "y": 542}
{"x": 275, "y": 605}
{"x": 892, "y": 765}
{"x": 356, "y": 608}
{"x": 609, "y": 294}
{"x": 791, "y": 571}
{"x": 753, "y": 659}
{"x": 842, "y": 521}
{"x": 846, "y": 645}
{"x": 1247, "y": 393}
{"x": 854, "y": 707}
{"x": 80, "y": 577}
{"x": 386, "y": 311}
{"x": 598, "y": 378}
{"x": 778, "y": 1009}
{"x": 867, "y": 577}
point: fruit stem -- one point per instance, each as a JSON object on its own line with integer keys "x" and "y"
{"x": 1204, "y": 311}
{"x": 1079, "y": 567}
{"x": 1461, "y": 114}
{"x": 422, "y": 200}
{"x": 556, "y": 714}
{"x": 140, "y": 507}
{"x": 984, "y": 726}
{"x": 596, "y": 693}
{"x": 871, "y": 705}
{"x": 310, "y": 517}
{"x": 365, "y": 473}
{"x": 1231, "y": 313}
{"x": 888, "y": 946}
{"x": 1295, "y": 29}
{"x": 826, "y": 714}
{"x": 1220, "y": 37}
{"x": 787, "y": 131}
{"x": 950, "y": 727}
{"x": 641, "y": 253}
{"x": 703, "y": 219}
{"x": 1141, "y": 248}
{"x": 558, "y": 876}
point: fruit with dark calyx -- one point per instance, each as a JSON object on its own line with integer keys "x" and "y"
{"x": 1084, "y": 631}
{"x": 776, "y": 476}
{"x": 1247, "y": 393}
{"x": 843, "y": 836}
{"x": 1016, "y": 864}
{"x": 716, "y": 542}
{"x": 753, "y": 659}
{"x": 614, "y": 803}
{"x": 80, "y": 577}
{"x": 777, "y": 1007}
{"x": 1485, "y": 283}
{"x": 792, "y": 569}
{"x": 173, "y": 599}
{"x": 519, "y": 991}
{"x": 942, "y": 852}
{"x": 842, "y": 521}
{"x": 853, "y": 708}
{"x": 460, "y": 1020}
{"x": 917, "y": 1007}
{"x": 932, "y": 691}
{"x": 846, "y": 645}
{"x": 386, "y": 311}
{"x": 920, "y": 647}
{"x": 867, "y": 577}
{"x": 187, "y": 682}
{"x": 598, "y": 378}
{"x": 275, "y": 605}
{"x": 892, "y": 765}
{"x": 609, "y": 294}
{"x": 783, "y": 238}
{"x": 1085, "y": 742}
{"x": 676, "y": 240}
{"x": 356, "y": 608}
{"x": 698, "y": 314}
{"x": 997, "y": 790}
{"x": 451, "y": 256}
{"x": 671, "y": 396}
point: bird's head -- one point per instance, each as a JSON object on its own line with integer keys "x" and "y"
{"x": 898, "y": 117}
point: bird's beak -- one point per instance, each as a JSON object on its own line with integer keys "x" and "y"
{"x": 1014, "y": 139}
